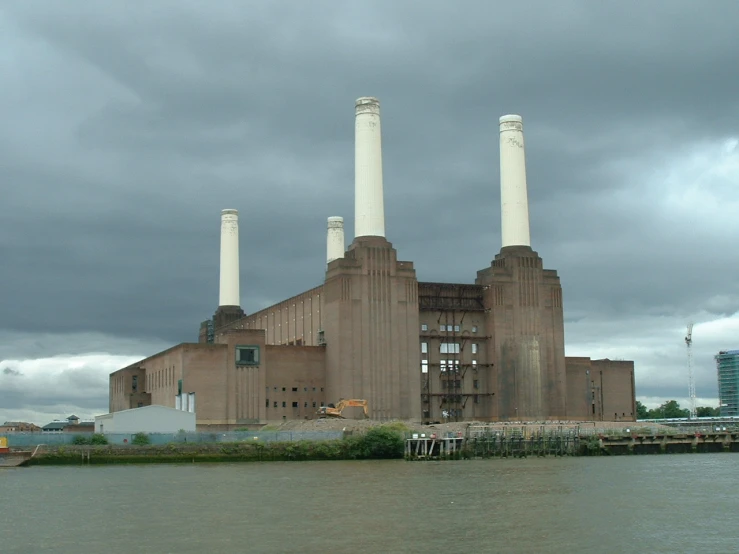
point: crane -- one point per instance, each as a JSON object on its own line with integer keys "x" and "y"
{"x": 691, "y": 380}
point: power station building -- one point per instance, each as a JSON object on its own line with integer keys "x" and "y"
{"x": 489, "y": 350}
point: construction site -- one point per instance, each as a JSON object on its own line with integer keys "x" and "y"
{"x": 373, "y": 335}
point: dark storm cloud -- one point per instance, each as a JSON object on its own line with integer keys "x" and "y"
{"x": 126, "y": 130}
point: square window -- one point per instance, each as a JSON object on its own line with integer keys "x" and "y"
{"x": 247, "y": 355}
{"x": 283, "y": 389}
{"x": 456, "y": 328}
{"x": 295, "y": 404}
{"x": 424, "y": 327}
{"x": 295, "y": 389}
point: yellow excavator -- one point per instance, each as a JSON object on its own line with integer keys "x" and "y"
{"x": 331, "y": 411}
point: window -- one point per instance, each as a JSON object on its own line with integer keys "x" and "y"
{"x": 474, "y": 328}
{"x": 305, "y": 404}
{"x": 134, "y": 383}
{"x": 295, "y": 404}
{"x": 314, "y": 404}
{"x": 424, "y": 348}
{"x": 284, "y": 404}
{"x": 314, "y": 389}
{"x": 295, "y": 389}
{"x": 424, "y": 366}
{"x": 449, "y": 348}
{"x": 474, "y": 362}
{"x": 305, "y": 389}
{"x": 247, "y": 355}
{"x": 449, "y": 365}
{"x": 476, "y": 399}
{"x": 456, "y": 328}
{"x": 267, "y": 403}
{"x": 275, "y": 404}
{"x": 442, "y": 327}
{"x": 475, "y": 384}
{"x": 321, "y": 389}
{"x": 474, "y": 348}
{"x": 424, "y": 327}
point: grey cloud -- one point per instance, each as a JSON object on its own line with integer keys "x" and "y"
{"x": 125, "y": 147}
{"x": 10, "y": 371}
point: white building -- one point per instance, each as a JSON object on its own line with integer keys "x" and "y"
{"x": 148, "y": 419}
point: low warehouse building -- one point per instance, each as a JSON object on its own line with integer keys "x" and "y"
{"x": 148, "y": 419}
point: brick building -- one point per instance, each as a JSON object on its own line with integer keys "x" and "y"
{"x": 488, "y": 350}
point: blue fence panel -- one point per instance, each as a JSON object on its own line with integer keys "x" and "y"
{"x": 19, "y": 440}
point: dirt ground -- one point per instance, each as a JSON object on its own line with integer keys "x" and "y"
{"x": 359, "y": 425}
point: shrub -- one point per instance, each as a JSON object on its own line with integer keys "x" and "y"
{"x": 80, "y": 439}
{"x": 141, "y": 439}
{"x": 98, "y": 438}
{"x": 383, "y": 442}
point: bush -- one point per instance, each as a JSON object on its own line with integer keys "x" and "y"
{"x": 383, "y": 442}
{"x": 141, "y": 439}
{"x": 96, "y": 438}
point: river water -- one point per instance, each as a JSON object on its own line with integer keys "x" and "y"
{"x": 670, "y": 503}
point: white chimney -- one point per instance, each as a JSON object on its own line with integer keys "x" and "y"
{"x": 514, "y": 203}
{"x": 369, "y": 210}
{"x": 229, "y": 289}
{"x": 335, "y": 239}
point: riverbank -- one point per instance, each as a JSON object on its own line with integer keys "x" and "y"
{"x": 387, "y": 443}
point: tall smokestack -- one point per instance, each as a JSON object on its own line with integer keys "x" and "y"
{"x": 369, "y": 210}
{"x": 229, "y": 287}
{"x": 335, "y": 239}
{"x": 514, "y": 203}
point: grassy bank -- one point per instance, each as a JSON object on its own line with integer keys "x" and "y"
{"x": 378, "y": 443}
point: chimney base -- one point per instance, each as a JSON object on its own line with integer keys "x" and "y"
{"x": 226, "y": 315}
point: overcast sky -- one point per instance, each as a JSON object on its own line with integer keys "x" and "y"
{"x": 126, "y": 129}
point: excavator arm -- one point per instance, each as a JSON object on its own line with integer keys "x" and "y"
{"x": 326, "y": 411}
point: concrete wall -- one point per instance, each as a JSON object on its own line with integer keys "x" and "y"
{"x": 149, "y": 419}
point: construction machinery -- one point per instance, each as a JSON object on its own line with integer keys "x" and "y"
{"x": 332, "y": 411}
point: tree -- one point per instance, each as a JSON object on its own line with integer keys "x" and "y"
{"x": 641, "y": 411}
{"x": 707, "y": 411}
{"x": 669, "y": 410}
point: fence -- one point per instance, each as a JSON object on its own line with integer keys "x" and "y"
{"x": 17, "y": 440}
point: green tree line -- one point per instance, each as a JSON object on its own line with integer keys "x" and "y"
{"x": 672, "y": 409}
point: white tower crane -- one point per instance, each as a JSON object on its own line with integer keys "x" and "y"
{"x": 691, "y": 380}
